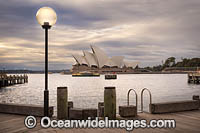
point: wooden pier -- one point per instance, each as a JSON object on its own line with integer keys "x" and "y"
{"x": 6, "y": 80}
{"x": 194, "y": 78}
{"x": 186, "y": 122}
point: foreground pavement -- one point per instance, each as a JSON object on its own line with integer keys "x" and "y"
{"x": 186, "y": 122}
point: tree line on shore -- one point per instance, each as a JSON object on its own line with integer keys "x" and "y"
{"x": 171, "y": 63}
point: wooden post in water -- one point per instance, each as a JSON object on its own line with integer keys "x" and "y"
{"x": 26, "y": 78}
{"x": 21, "y": 78}
{"x": 62, "y": 103}
{"x": 18, "y": 79}
{"x": 110, "y": 103}
{"x": 11, "y": 80}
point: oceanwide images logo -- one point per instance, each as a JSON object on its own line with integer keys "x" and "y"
{"x": 45, "y": 122}
{"x": 30, "y": 122}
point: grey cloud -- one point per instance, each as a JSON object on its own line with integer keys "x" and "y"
{"x": 171, "y": 28}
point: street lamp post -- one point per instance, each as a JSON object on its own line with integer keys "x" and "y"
{"x": 46, "y": 17}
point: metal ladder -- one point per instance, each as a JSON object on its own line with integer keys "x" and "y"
{"x": 136, "y": 97}
{"x": 150, "y": 96}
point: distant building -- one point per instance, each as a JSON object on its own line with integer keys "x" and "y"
{"x": 98, "y": 61}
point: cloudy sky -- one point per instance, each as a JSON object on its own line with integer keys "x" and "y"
{"x": 147, "y": 31}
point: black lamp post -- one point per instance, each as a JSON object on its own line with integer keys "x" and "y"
{"x": 46, "y": 17}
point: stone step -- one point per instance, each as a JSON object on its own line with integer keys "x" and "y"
{"x": 80, "y": 114}
{"x": 170, "y": 107}
{"x": 24, "y": 109}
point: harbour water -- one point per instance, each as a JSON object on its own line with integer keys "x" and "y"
{"x": 86, "y": 92}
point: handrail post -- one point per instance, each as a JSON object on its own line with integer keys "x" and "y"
{"x": 136, "y": 97}
{"x": 150, "y": 96}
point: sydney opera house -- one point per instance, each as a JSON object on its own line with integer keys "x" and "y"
{"x": 98, "y": 61}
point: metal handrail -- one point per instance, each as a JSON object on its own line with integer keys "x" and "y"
{"x": 142, "y": 97}
{"x": 136, "y": 97}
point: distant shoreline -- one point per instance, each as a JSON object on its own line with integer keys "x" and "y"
{"x": 68, "y": 73}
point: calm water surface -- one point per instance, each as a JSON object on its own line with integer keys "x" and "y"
{"x": 86, "y": 92}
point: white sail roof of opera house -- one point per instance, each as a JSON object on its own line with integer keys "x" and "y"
{"x": 110, "y": 63}
{"x": 118, "y": 60}
{"x": 80, "y": 59}
{"x": 99, "y": 59}
{"x": 130, "y": 64}
{"x": 84, "y": 60}
{"x": 100, "y": 56}
{"x": 90, "y": 58}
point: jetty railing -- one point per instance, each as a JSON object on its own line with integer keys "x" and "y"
{"x": 8, "y": 80}
{"x": 129, "y": 110}
{"x": 150, "y": 96}
{"x": 136, "y": 97}
{"x": 170, "y": 107}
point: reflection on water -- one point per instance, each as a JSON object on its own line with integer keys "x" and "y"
{"x": 86, "y": 92}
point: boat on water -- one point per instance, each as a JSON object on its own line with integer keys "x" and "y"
{"x": 85, "y": 74}
{"x": 111, "y": 76}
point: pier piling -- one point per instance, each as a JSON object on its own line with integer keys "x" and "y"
{"x": 62, "y": 103}
{"x": 6, "y": 80}
{"x": 110, "y": 102}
